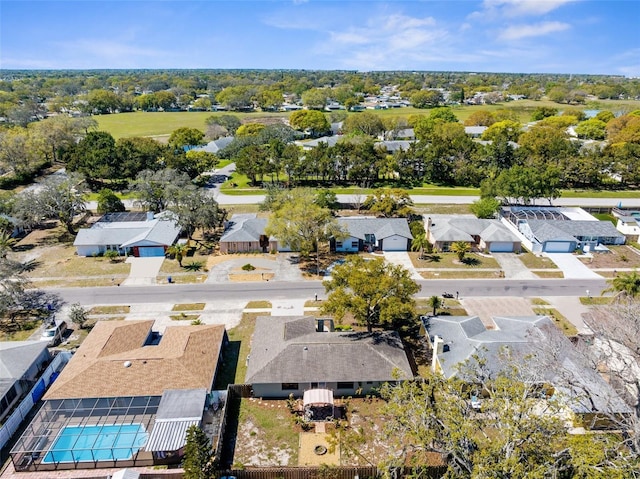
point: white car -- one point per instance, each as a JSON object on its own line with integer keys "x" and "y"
{"x": 54, "y": 333}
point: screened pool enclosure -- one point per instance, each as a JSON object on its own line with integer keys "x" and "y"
{"x": 88, "y": 433}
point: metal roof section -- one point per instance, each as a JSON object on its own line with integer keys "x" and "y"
{"x": 179, "y": 409}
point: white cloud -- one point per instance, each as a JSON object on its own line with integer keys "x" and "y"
{"x": 517, "y": 32}
{"x": 386, "y": 39}
{"x": 524, "y": 7}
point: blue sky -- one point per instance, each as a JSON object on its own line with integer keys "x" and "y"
{"x": 527, "y": 36}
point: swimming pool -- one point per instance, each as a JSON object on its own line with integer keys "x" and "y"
{"x": 96, "y": 443}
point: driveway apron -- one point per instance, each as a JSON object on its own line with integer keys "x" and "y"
{"x": 571, "y": 266}
{"x": 143, "y": 271}
{"x": 401, "y": 258}
{"x": 512, "y": 266}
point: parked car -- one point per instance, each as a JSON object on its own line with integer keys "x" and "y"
{"x": 54, "y": 333}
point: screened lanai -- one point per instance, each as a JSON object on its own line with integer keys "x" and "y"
{"x": 87, "y": 433}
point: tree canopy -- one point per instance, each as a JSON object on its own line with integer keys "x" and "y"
{"x": 300, "y": 222}
{"x": 376, "y": 293}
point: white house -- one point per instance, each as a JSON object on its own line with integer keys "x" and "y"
{"x": 137, "y": 234}
{"x": 369, "y": 234}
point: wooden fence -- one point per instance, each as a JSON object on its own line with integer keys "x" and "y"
{"x": 302, "y": 473}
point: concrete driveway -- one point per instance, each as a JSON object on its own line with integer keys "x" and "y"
{"x": 571, "y": 266}
{"x": 512, "y": 266}
{"x": 401, "y": 258}
{"x": 143, "y": 271}
{"x": 487, "y": 308}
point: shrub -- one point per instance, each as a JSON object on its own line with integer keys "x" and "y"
{"x": 111, "y": 255}
{"x": 194, "y": 266}
{"x": 248, "y": 267}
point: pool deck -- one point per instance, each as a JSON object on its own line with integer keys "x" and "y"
{"x": 10, "y": 472}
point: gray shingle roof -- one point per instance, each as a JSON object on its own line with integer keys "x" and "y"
{"x": 382, "y": 228}
{"x": 126, "y": 233}
{"x": 466, "y": 336}
{"x": 546, "y": 229}
{"x": 288, "y": 349}
{"x": 457, "y": 228}
{"x": 16, "y": 357}
{"x": 244, "y": 227}
{"x": 395, "y": 145}
{"x": 216, "y": 145}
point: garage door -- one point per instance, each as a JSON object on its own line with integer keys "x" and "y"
{"x": 558, "y": 247}
{"x": 394, "y": 243}
{"x": 149, "y": 251}
{"x": 501, "y": 247}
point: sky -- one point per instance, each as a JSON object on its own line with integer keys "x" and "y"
{"x": 512, "y": 36}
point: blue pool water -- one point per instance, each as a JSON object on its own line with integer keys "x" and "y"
{"x": 96, "y": 443}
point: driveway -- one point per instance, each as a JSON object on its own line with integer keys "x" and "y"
{"x": 143, "y": 271}
{"x": 401, "y": 258}
{"x": 572, "y": 267}
{"x": 512, "y": 266}
{"x": 488, "y": 308}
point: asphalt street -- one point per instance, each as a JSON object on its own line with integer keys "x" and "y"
{"x": 275, "y": 290}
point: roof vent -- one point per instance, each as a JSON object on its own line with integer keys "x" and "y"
{"x": 127, "y": 364}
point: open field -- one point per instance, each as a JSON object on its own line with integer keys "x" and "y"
{"x": 163, "y": 123}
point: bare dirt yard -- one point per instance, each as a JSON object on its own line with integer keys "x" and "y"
{"x": 269, "y": 436}
{"x": 619, "y": 257}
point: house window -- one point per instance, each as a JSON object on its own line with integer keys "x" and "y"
{"x": 338, "y": 244}
{"x": 345, "y": 385}
{"x": 354, "y": 244}
{"x": 289, "y": 386}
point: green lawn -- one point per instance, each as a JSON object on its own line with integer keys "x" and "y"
{"x": 163, "y": 123}
{"x": 450, "y": 260}
{"x": 124, "y": 125}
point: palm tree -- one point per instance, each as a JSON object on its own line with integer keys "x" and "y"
{"x": 419, "y": 243}
{"x": 461, "y": 248}
{"x": 178, "y": 250}
{"x": 6, "y": 244}
{"x": 625, "y": 284}
{"x": 435, "y": 302}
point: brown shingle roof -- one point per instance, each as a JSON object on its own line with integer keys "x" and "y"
{"x": 185, "y": 358}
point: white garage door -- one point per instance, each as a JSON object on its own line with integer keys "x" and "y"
{"x": 394, "y": 243}
{"x": 558, "y": 247}
{"x": 501, "y": 247}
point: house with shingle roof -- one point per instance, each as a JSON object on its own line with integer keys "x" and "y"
{"x": 290, "y": 355}
{"x": 482, "y": 234}
{"x": 131, "y": 233}
{"x": 368, "y": 233}
{"x": 245, "y": 233}
{"x": 126, "y": 397}
{"x": 560, "y": 229}
{"x": 216, "y": 145}
{"x": 127, "y": 358}
{"x": 456, "y": 339}
{"x": 21, "y": 363}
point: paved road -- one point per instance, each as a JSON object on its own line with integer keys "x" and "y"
{"x": 439, "y": 199}
{"x": 275, "y": 290}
